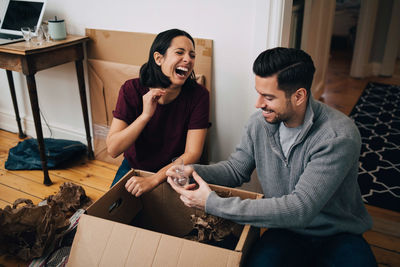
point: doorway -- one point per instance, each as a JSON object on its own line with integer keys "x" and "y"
{"x": 365, "y": 32}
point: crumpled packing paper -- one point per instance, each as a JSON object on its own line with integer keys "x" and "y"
{"x": 26, "y": 231}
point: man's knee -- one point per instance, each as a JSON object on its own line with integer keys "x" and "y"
{"x": 346, "y": 250}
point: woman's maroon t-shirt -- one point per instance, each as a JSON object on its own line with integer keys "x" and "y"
{"x": 164, "y": 136}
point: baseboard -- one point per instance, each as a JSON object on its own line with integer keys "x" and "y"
{"x": 9, "y": 123}
{"x": 375, "y": 68}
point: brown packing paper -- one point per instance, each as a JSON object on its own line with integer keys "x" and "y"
{"x": 113, "y": 58}
{"x": 70, "y": 198}
{"x": 28, "y": 231}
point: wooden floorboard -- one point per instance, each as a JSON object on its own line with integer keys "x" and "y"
{"x": 94, "y": 176}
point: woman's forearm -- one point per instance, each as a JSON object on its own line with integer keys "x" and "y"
{"x": 120, "y": 140}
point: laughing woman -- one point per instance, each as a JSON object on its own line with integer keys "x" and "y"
{"x": 161, "y": 115}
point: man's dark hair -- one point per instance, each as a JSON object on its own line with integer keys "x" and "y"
{"x": 150, "y": 73}
{"x": 294, "y": 68}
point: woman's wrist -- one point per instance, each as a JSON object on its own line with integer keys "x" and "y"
{"x": 144, "y": 117}
{"x": 159, "y": 178}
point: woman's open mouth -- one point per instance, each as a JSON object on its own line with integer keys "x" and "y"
{"x": 181, "y": 72}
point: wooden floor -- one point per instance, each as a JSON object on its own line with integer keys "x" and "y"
{"x": 342, "y": 92}
{"x": 95, "y": 176}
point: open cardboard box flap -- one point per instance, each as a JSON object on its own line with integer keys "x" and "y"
{"x": 106, "y": 238}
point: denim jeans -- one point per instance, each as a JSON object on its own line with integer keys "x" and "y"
{"x": 279, "y": 247}
{"x": 122, "y": 170}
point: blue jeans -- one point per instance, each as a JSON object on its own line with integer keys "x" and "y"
{"x": 279, "y": 247}
{"x": 122, "y": 170}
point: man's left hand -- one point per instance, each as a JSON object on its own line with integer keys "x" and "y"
{"x": 193, "y": 198}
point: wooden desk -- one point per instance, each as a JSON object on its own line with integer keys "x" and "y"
{"x": 31, "y": 59}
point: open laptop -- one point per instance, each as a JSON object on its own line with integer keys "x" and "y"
{"x": 18, "y": 14}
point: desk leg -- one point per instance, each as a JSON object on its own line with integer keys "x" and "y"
{"x": 15, "y": 104}
{"x": 82, "y": 93}
{"x": 30, "y": 80}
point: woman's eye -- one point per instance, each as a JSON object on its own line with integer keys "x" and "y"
{"x": 179, "y": 52}
{"x": 192, "y": 55}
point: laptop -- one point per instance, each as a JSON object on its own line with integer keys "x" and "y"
{"x": 18, "y": 14}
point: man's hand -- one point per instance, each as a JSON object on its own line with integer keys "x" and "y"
{"x": 193, "y": 198}
{"x": 139, "y": 185}
{"x": 187, "y": 170}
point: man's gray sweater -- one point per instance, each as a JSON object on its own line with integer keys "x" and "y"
{"x": 313, "y": 191}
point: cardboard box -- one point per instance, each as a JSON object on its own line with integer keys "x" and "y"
{"x": 105, "y": 236}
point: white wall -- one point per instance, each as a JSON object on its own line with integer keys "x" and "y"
{"x": 239, "y": 30}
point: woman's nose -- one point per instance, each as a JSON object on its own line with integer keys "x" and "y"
{"x": 187, "y": 58}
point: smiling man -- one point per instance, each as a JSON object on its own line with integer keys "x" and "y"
{"x": 306, "y": 155}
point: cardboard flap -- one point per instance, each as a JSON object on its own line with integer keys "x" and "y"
{"x": 112, "y": 76}
{"x": 100, "y": 242}
{"x": 115, "y": 204}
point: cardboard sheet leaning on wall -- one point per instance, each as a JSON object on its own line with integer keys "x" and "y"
{"x": 113, "y": 58}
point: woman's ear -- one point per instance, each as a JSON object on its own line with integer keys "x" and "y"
{"x": 158, "y": 58}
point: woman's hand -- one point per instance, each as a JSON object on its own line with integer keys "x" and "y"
{"x": 139, "y": 185}
{"x": 150, "y": 100}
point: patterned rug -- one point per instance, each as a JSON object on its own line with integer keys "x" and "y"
{"x": 377, "y": 116}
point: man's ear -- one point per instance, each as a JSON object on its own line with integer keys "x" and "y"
{"x": 158, "y": 58}
{"x": 300, "y": 96}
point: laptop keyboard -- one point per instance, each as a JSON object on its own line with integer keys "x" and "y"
{"x": 9, "y": 36}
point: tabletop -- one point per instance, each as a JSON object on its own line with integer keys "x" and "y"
{"x": 21, "y": 48}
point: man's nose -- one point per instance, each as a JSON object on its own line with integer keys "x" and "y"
{"x": 260, "y": 102}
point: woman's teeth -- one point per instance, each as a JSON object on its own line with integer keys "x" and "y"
{"x": 181, "y": 71}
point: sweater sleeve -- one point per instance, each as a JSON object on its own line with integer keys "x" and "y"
{"x": 234, "y": 171}
{"x": 327, "y": 167}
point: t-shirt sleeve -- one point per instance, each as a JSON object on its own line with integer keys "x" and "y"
{"x": 199, "y": 118}
{"x": 127, "y": 104}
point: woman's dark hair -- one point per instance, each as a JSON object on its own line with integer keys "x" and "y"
{"x": 294, "y": 68}
{"x": 150, "y": 73}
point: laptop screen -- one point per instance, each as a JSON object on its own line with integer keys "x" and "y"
{"x": 20, "y": 14}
